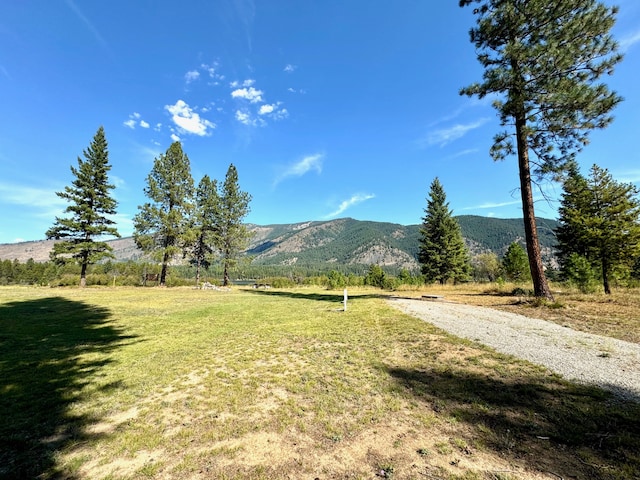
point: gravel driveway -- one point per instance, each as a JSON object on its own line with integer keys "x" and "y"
{"x": 609, "y": 363}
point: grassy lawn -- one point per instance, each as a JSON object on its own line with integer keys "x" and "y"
{"x": 179, "y": 383}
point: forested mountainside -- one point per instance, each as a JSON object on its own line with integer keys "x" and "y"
{"x": 339, "y": 242}
{"x": 349, "y": 241}
{"x": 343, "y": 241}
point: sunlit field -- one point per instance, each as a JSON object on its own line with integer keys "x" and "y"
{"x": 178, "y": 383}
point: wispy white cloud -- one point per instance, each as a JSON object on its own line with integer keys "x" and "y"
{"x": 118, "y": 182}
{"x": 124, "y": 224}
{"x": 629, "y": 176}
{"x": 5, "y": 72}
{"x": 99, "y": 38}
{"x": 246, "y": 118}
{"x": 191, "y": 76}
{"x": 273, "y": 111}
{"x": 251, "y": 94}
{"x": 175, "y": 137}
{"x": 290, "y": 68}
{"x": 43, "y": 200}
{"x": 462, "y": 153}
{"x": 301, "y": 167}
{"x": 187, "y": 120}
{"x": 630, "y": 40}
{"x": 447, "y": 135}
{"x": 266, "y": 109}
{"x": 246, "y": 12}
{"x": 246, "y": 83}
{"x": 354, "y": 200}
{"x": 212, "y": 71}
{"x": 148, "y": 154}
{"x": 135, "y": 119}
{"x": 489, "y": 205}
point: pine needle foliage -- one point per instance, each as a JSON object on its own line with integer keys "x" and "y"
{"x": 91, "y": 204}
{"x": 515, "y": 264}
{"x": 442, "y": 253}
{"x": 542, "y": 62}
{"x": 230, "y": 236}
{"x": 207, "y": 207}
{"x": 600, "y": 221}
{"x": 162, "y": 227}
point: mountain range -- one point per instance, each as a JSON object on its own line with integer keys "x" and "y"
{"x": 343, "y": 241}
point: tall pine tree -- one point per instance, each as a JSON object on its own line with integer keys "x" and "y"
{"x": 162, "y": 227}
{"x": 600, "y": 221}
{"x": 544, "y": 59}
{"x": 442, "y": 252}
{"x": 231, "y": 236}
{"x": 205, "y": 218}
{"x": 91, "y": 203}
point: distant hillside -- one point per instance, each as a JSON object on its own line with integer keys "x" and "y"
{"x": 342, "y": 242}
{"x": 339, "y": 242}
{"x": 488, "y": 234}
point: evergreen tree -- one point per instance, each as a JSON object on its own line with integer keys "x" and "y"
{"x": 442, "y": 252}
{"x": 600, "y": 221}
{"x": 231, "y": 236}
{"x": 544, "y": 60}
{"x": 91, "y": 203}
{"x": 571, "y": 236}
{"x": 515, "y": 264}
{"x": 375, "y": 276}
{"x": 207, "y": 210}
{"x": 162, "y": 226}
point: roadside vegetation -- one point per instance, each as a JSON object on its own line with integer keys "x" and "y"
{"x": 120, "y": 383}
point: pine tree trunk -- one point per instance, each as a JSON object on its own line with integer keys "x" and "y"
{"x": 540, "y": 285}
{"x": 163, "y": 272}
{"x": 225, "y": 276}
{"x": 605, "y": 276}
{"x": 83, "y": 273}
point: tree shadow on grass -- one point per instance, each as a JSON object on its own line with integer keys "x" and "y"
{"x": 321, "y": 297}
{"x": 539, "y": 421}
{"x": 49, "y": 349}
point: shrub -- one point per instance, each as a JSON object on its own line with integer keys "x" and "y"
{"x": 336, "y": 280}
{"x": 579, "y": 272}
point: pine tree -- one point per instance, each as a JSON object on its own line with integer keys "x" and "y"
{"x": 442, "y": 254}
{"x": 231, "y": 236}
{"x": 206, "y": 213}
{"x": 600, "y": 221}
{"x": 91, "y": 203}
{"x": 544, "y": 60}
{"x": 162, "y": 226}
{"x": 571, "y": 234}
{"x": 515, "y": 264}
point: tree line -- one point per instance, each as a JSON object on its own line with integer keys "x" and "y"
{"x": 598, "y": 238}
{"x": 202, "y": 224}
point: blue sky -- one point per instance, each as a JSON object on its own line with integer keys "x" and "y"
{"x": 327, "y": 108}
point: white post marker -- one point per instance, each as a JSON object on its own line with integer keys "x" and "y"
{"x": 345, "y": 299}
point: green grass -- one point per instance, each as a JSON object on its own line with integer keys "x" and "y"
{"x": 180, "y": 383}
